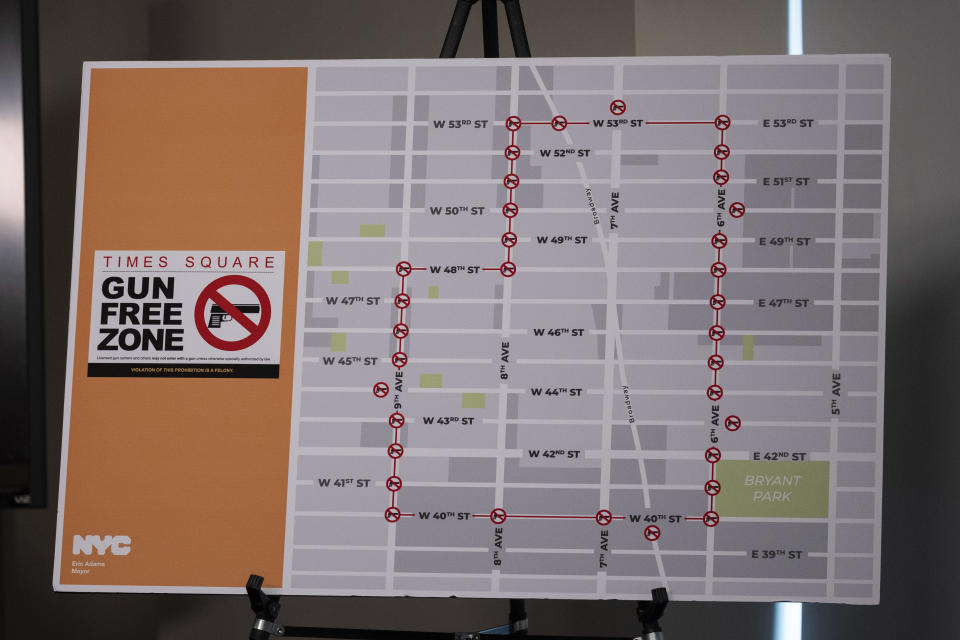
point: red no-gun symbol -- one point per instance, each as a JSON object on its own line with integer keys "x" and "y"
{"x": 211, "y": 293}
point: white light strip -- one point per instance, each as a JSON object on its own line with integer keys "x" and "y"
{"x": 795, "y": 27}
{"x": 788, "y": 621}
{"x": 788, "y": 616}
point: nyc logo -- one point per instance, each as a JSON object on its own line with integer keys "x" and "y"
{"x": 116, "y": 545}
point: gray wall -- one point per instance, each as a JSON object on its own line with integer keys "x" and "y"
{"x": 919, "y": 517}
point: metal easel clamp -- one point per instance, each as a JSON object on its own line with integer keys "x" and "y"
{"x": 649, "y": 612}
{"x": 270, "y": 628}
{"x": 265, "y": 608}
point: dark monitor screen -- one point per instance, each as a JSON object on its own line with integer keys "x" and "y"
{"x": 21, "y": 322}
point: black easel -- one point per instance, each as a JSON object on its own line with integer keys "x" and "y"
{"x": 266, "y": 608}
{"x": 491, "y": 45}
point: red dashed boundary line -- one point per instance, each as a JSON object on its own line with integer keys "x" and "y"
{"x": 508, "y": 269}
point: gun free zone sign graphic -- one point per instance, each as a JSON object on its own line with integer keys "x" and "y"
{"x": 193, "y": 314}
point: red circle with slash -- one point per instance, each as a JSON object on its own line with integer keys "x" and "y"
{"x": 498, "y": 516}
{"x": 381, "y": 389}
{"x": 510, "y": 210}
{"x": 717, "y": 301}
{"x": 712, "y": 455}
{"x": 719, "y": 240}
{"x": 514, "y": 123}
{"x": 718, "y": 269}
{"x": 737, "y": 209}
{"x": 396, "y": 420}
{"x": 604, "y": 517}
{"x": 559, "y": 123}
{"x": 721, "y": 152}
{"x": 715, "y": 362}
{"x": 394, "y": 483}
{"x": 508, "y": 269}
{"x": 211, "y": 293}
{"x": 400, "y": 330}
{"x": 618, "y": 107}
{"x": 732, "y": 423}
{"x": 395, "y": 450}
{"x": 717, "y": 332}
{"x": 512, "y": 152}
{"x": 721, "y": 177}
{"x": 714, "y": 392}
{"x": 402, "y": 301}
{"x": 509, "y": 239}
{"x": 711, "y": 518}
{"x": 722, "y": 122}
{"x": 711, "y": 488}
{"x": 392, "y": 514}
{"x": 403, "y": 269}
{"x": 652, "y": 533}
{"x": 399, "y": 359}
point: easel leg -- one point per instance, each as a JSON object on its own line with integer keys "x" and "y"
{"x": 518, "y": 618}
{"x": 521, "y": 47}
{"x": 491, "y": 44}
{"x": 491, "y": 36}
{"x": 455, "y": 31}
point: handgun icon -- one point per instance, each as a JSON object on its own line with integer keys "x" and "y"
{"x": 218, "y": 315}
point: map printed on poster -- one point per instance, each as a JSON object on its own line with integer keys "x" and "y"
{"x": 566, "y": 328}
{"x": 186, "y": 314}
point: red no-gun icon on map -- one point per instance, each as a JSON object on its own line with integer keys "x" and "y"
{"x": 717, "y": 333}
{"x": 715, "y": 362}
{"x": 224, "y": 310}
